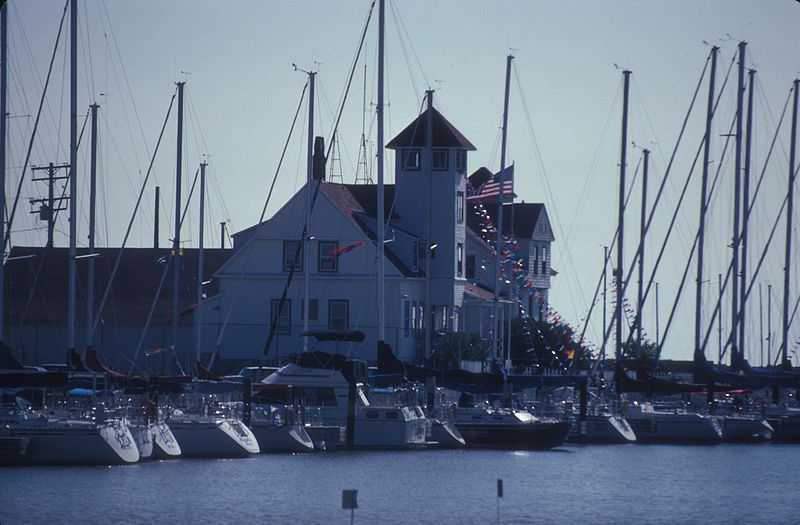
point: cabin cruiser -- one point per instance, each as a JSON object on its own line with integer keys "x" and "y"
{"x": 29, "y": 437}
{"x": 675, "y": 426}
{"x": 327, "y": 385}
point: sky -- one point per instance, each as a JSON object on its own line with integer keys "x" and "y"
{"x": 242, "y": 92}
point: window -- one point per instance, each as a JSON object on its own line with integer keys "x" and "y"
{"x": 328, "y": 260}
{"x": 338, "y": 310}
{"x": 372, "y": 414}
{"x": 440, "y": 159}
{"x": 391, "y": 415}
{"x": 282, "y": 320}
{"x": 292, "y": 256}
{"x": 470, "y": 266}
{"x": 414, "y": 318}
{"x": 461, "y": 161}
{"x": 313, "y": 308}
{"x": 460, "y": 207}
{"x": 411, "y": 158}
{"x": 460, "y": 259}
{"x": 535, "y": 257}
{"x": 406, "y": 318}
{"x": 544, "y": 261}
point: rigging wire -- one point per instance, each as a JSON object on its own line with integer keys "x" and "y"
{"x": 33, "y": 135}
{"x": 130, "y": 223}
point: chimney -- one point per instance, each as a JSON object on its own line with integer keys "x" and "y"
{"x": 319, "y": 158}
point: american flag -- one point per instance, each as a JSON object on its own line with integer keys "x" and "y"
{"x": 490, "y": 190}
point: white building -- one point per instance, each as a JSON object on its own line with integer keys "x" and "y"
{"x": 428, "y": 216}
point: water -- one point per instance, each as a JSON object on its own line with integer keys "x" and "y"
{"x": 573, "y": 484}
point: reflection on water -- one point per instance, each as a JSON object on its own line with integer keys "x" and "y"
{"x": 577, "y": 484}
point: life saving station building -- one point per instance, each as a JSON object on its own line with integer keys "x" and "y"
{"x": 428, "y": 214}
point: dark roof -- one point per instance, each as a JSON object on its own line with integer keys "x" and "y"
{"x": 525, "y": 217}
{"x": 479, "y": 178}
{"x": 357, "y": 201}
{"x": 131, "y": 295}
{"x": 445, "y": 135}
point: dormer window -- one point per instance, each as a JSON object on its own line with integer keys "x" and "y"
{"x": 411, "y": 159}
{"x": 440, "y": 159}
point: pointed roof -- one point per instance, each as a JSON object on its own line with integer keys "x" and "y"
{"x": 526, "y": 216}
{"x": 445, "y": 135}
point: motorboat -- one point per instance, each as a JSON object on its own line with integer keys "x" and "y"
{"x": 319, "y": 381}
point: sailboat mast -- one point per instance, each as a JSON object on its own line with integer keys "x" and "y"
{"x": 500, "y": 201}
{"x": 309, "y": 180}
{"x": 428, "y": 311}
{"x": 176, "y": 242}
{"x": 92, "y": 224}
{"x": 201, "y": 259}
{"x": 605, "y": 301}
{"x": 642, "y": 223}
{"x": 621, "y": 227}
{"x": 73, "y": 168}
{"x": 3, "y": 111}
{"x": 698, "y": 306}
{"x": 746, "y": 203}
{"x": 381, "y": 217}
{"x": 737, "y": 198}
{"x": 789, "y": 212}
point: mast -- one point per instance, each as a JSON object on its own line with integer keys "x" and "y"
{"x": 427, "y": 311}
{"x": 605, "y": 301}
{"x": 92, "y": 216}
{"x": 176, "y": 242}
{"x": 761, "y": 323}
{"x": 381, "y": 217}
{"x": 769, "y": 324}
{"x": 73, "y": 168}
{"x": 500, "y": 201}
{"x": 698, "y": 350}
{"x": 3, "y": 111}
{"x": 789, "y": 212}
{"x": 620, "y": 228}
{"x": 155, "y": 217}
{"x": 640, "y": 298}
{"x": 309, "y": 180}
{"x": 746, "y": 203}
{"x": 201, "y": 260}
{"x": 737, "y": 198}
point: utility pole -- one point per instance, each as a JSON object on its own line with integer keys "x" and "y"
{"x": 50, "y": 204}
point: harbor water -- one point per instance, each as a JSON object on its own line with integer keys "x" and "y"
{"x": 571, "y": 484}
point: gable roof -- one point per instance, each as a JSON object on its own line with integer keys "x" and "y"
{"x": 525, "y": 217}
{"x": 131, "y": 295}
{"x": 445, "y": 135}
